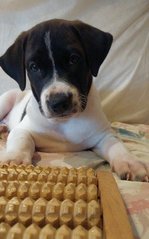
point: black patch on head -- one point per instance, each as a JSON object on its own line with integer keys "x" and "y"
{"x": 69, "y": 57}
{"x": 37, "y": 61}
{"x": 78, "y": 50}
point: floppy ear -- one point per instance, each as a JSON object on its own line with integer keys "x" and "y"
{"x": 96, "y": 44}
{"x": 12, "y": 62}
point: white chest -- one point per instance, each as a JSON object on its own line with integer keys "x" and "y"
{"x": 74, "y": 134}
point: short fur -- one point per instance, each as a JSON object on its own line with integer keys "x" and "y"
{"x": 61, "y": 112}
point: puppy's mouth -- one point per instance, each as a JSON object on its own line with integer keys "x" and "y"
{"x": 61, "y": 115}
{"x": 61, "y": 100}
{"x": 62, "y": 106}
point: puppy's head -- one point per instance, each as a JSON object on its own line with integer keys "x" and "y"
{"x": 60, "y": 57}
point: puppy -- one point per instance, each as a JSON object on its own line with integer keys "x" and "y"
{"x": 61, "y": 113}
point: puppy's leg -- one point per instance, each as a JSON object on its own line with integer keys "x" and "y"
{"x": 19, "y": 149}
{"x": 7, "y": 101}
{"x": 126, "y": 165}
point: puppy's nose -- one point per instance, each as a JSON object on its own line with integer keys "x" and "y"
{"x": 60, "y": 102}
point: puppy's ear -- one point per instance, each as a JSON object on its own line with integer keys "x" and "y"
{"x": 12, "y": 62}
{"x": 96, "y": 44}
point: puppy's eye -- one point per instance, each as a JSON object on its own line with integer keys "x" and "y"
{"x": 74, "y": 59}
{"x": 34, "y": 67}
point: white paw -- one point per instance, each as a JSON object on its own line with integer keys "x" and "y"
{"x": 14, "y": 158}
{"x": 130, "y": 168}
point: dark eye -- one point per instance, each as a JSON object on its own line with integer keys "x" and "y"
{"x": 74, "y": 59}
{"x": 33, "y": 67}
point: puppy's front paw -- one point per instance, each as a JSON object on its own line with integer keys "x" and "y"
{"x": 129, "y": 168}
{"x": 14, "y": 158}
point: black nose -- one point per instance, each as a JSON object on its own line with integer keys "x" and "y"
{"x": 60, "y": 103}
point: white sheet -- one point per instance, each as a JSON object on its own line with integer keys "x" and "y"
{"x": 123, "y": 80}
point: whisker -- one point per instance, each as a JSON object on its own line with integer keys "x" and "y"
{"x": 83, "y": 99}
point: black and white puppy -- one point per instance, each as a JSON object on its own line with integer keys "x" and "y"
{"x": 62, "y": 112}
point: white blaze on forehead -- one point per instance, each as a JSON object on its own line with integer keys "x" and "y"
{"x": 56, "y": 84}
{"x": 48, "y": 45}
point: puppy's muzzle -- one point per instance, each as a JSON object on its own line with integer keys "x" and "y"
{"x": 60, "y": 104}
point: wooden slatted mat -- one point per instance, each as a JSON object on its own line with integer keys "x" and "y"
{"x": 60, "y": 203}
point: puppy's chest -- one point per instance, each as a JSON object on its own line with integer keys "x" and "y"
{"x": 70, "y": 136}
